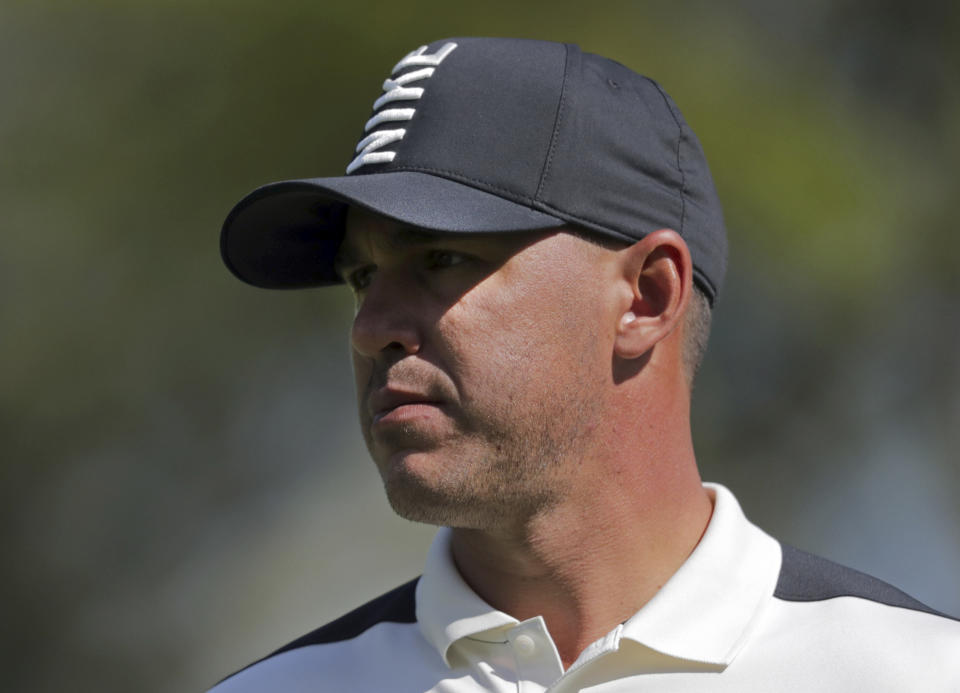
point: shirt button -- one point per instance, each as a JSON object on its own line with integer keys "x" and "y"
{"x": 525, "y": 645}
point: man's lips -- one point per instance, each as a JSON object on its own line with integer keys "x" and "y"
{"x": 386, "y": 401}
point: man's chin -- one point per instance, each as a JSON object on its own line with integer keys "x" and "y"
{"x": 417, "y": 493}
{"x": 423, "y": 504}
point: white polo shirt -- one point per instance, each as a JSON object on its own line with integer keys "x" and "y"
{"x": 743, "y": 613}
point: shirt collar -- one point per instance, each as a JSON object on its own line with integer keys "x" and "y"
{"x": 447, "y": 609}
{"x": 706, "y": 609}
{"x": 703, "y": 613}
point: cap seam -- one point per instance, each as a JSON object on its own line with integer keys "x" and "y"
{"x": 558, "y": 119}
{"x": 683, "y": 177}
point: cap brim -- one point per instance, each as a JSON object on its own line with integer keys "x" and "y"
{"x": 286, "y": 235}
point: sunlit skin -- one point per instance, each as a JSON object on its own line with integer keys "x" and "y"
{"x": 528, "y": 391}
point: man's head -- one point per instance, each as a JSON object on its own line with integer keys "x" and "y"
{"x": 526, "y": 227}
{"x": 493, "y": 369}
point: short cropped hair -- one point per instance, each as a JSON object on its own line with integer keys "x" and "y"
{"x": 696, "y": 333}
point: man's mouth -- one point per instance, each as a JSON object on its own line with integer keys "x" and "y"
{"x": 392, "y": 405}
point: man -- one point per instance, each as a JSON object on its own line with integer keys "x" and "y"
{"x": 534, "y": 243}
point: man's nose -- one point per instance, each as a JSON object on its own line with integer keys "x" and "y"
{"x": 386, "y": 318}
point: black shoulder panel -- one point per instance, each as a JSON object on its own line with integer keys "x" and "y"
{"x": 808, "y": 578}
{"x": 396, "y": 606}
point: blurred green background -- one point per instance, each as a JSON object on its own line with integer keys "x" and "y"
{"x": 183, "y": 483}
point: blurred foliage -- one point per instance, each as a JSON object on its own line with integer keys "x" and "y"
{"x": 158, "y": 419}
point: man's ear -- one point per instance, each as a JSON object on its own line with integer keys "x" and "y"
{"x": 659, "y": 272}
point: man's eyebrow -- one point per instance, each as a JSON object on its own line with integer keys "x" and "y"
{"x": 402, "y": 238}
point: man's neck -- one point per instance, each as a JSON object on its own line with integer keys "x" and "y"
{"x": 592, "y": 561}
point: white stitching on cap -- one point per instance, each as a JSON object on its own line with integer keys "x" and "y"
{"x": 417, "y": 57}
{"x": 389, "y": 115}
{"x": 396, "y": 89}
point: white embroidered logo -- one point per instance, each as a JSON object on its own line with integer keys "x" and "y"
{"x": 396, "y": 90}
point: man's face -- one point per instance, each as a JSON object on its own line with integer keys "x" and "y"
{"x": 480, "y": 361}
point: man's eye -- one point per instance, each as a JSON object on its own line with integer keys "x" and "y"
{"x": 437, "y": 259}
{"x": 360, "y": 278}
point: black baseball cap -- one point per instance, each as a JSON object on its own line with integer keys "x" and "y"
{"x": 495, "y": 135}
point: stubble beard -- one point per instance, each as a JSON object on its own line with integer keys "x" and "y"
{"x": 502, "y": 472}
